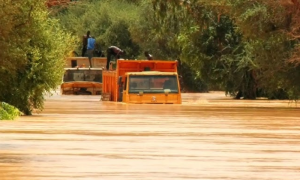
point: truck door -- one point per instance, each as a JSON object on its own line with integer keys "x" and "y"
{"x": 120, "y": 89}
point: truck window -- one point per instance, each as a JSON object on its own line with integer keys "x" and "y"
{"x": 83, "y": 75}
{"x": 153, "y": 83}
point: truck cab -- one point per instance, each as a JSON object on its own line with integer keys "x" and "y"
{"x": 81, "y": 80}
{"x": 151, "y": 87}
{"x": 142, "y": 82}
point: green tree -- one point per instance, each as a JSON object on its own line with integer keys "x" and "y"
{"x": 33, "y": 50}
{"x": 267, "y": 27}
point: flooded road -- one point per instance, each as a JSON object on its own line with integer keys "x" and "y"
{"x": 208, "y": 137}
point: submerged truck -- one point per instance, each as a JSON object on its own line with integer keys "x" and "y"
{"x": 80, "y": 79}
{"x": 142, "y": 82}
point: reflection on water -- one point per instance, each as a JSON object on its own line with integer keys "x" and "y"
{"x": 209, "y": 136}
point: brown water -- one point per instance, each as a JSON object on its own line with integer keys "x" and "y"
{"x": 209, "y": 137}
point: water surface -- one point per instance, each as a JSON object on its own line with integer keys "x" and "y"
{"x": 209, "y": 136}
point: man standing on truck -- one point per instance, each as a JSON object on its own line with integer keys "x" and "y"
{"x": 113, "y": 51}
{"x": 148, "y": 56}
{"x": 84, "y": 43}
{"x": 90, "y": 48}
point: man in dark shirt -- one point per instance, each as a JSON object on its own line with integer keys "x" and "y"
{"x": 148, "y": 56}
{"x": 113, "y": 51}
{"x": 84, "y": 43}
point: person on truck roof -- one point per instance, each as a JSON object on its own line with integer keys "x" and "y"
{"x": 84, "y": 43}
{"x": 113, "y": 51}
{"x": 90, "y": 48}
{"x": 148, "y": 56}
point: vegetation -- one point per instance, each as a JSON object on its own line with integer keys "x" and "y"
{"x": 33, "y": 47}
{"x": 244, "y": 46}
{"x": 8, "y": 112}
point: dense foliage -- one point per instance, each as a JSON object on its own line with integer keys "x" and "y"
{"x": 33, "y": 47}
{"x": 8, "y": 112}
{"x": 244, "y": 46}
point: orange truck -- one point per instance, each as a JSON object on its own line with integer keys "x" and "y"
{"x": 80, "y": 79}
{"x": 142, "y": 82}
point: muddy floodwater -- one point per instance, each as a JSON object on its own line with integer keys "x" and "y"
{"x": 208, "y": 137}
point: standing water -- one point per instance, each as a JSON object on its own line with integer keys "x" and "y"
{"x": 209, "y": 136}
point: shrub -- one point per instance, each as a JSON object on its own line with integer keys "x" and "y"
{"x": 8, "y": 112}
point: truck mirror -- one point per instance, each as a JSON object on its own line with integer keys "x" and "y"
{"x": 120, "y": 80}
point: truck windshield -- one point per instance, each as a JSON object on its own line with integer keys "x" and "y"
{"x": 83, "y": 75}
{"x": 153, "y": 83}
